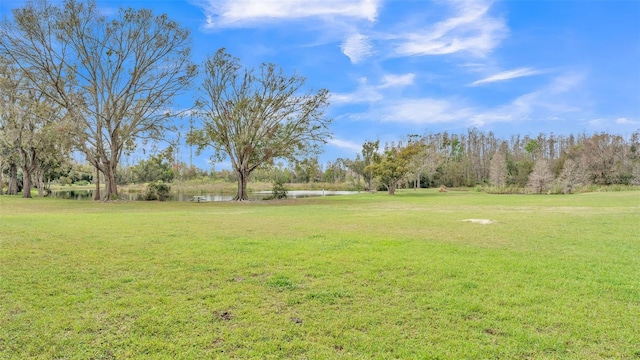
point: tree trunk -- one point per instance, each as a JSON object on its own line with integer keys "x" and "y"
{"x": 109, "y": 171}
{"x": 96, "y": 194}
{"x": 40, "y": 182}
{"x": 243, "y": 177}
{"x": 26, "y": 182}
{"x": 111, "y": 185}
{"x": 392, "y": 187}
{"x": 12, "y": 188}
{"x": 28, "y": 167}
{"x": 1, "y": 184}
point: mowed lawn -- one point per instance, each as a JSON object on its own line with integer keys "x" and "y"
{"x": 356, "y": 277}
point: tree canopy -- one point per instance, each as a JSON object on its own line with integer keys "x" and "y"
{"x": 394, "y": 164}
{"x": 254, "y": 116}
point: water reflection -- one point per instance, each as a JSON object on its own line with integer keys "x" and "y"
{"x": 196, "y": 197}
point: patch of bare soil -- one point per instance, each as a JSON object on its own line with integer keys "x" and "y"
{"x": 480, "y": 221}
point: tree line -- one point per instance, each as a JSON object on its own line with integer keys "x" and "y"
{"x": 541, "y": 163}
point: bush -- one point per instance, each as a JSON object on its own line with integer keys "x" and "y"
{"x": 157, "y": 191}
{"x": 279, "y": 191}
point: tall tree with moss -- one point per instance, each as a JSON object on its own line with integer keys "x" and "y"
{"x": 33, "y": 129}
{"x": 116, "y": 75}
{"x": 255, "y": 116}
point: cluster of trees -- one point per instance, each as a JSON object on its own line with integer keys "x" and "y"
{"x": 104, "y": 83}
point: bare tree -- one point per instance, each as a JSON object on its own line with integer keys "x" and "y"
{"x": 253, "y": 117}
{"x": 425, "y": 161}
{"x": 540, "y": 178}
{"x": 114, "y": 76}
{"x": 603, "y": 153}
{"x": 498, "y": 169}
{"x": 572, "y": 176}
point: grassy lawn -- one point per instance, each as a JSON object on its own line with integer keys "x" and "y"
{"x": 361, "y": 276}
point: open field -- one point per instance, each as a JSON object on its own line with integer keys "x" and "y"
{"x": 362, "y": 276}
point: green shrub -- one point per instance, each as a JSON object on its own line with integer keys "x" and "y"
{"x": 279, "y": 191}
{"x": 157, "y": 191}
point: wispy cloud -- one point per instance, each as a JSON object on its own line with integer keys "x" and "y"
{"x": 356, "y": 47}
{"x": 422, "y": 111}
{"x": 552, "y": 101}
{"x": 241, "y": 13}
{"x": 627, "y": 121}
{"x": 366, "y": 93}
{"x": 508, "y": 75}
{"x": 344, "y": 144}
{"x": 391, "y": 80}
{"x": 472, "y": 29}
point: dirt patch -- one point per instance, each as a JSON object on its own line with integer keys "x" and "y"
{"x": 480, "y": 221}
{"x": 223, "y": 315}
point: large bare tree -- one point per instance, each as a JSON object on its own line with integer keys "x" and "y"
{"x": 254, "y": 116}
{"x": 116, "y": 76}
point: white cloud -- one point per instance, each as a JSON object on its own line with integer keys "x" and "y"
{"x": 422, "y": 111}
{"x": 372, "y": 93}
{"x": 627, "y": 121}
{"x": 356, "y": 47}
{"x": 508, "y": 75}
{"x": 390, "y": 80}
{"x": 344, "y": 144}
{"x": 472, "y": 30}
{"x": 240, "y": 13}
{"x": 365, "y": 93}
{"x": 549, "y": 102}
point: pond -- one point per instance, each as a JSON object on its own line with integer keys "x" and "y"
{"x": 199, "y": 196}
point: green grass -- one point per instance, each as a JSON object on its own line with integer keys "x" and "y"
{"x": 361, "y": 276}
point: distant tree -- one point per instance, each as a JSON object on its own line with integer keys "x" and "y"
{"x": 424, "y": 162}
{"x": 540, "y": 178}
{"x": 572, "y": 176}
{"x": 498, "y": 169}
{"x": 157, "y": 167}
{"x": 115, "y": 76}
{"x": 369, "y": 152}
{"x": 533, "y": 148}
{"x": 308, "y": 170}
{"x": 393, "y": 166}
{"x": 335, "y": 171}
{"x": 253, "y": 117}
{"x": 603, "y": 153}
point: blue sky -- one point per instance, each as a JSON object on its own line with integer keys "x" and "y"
{"x": 410, "y": 67}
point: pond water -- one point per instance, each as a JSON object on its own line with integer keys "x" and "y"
{"x": 197, "y": 196}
